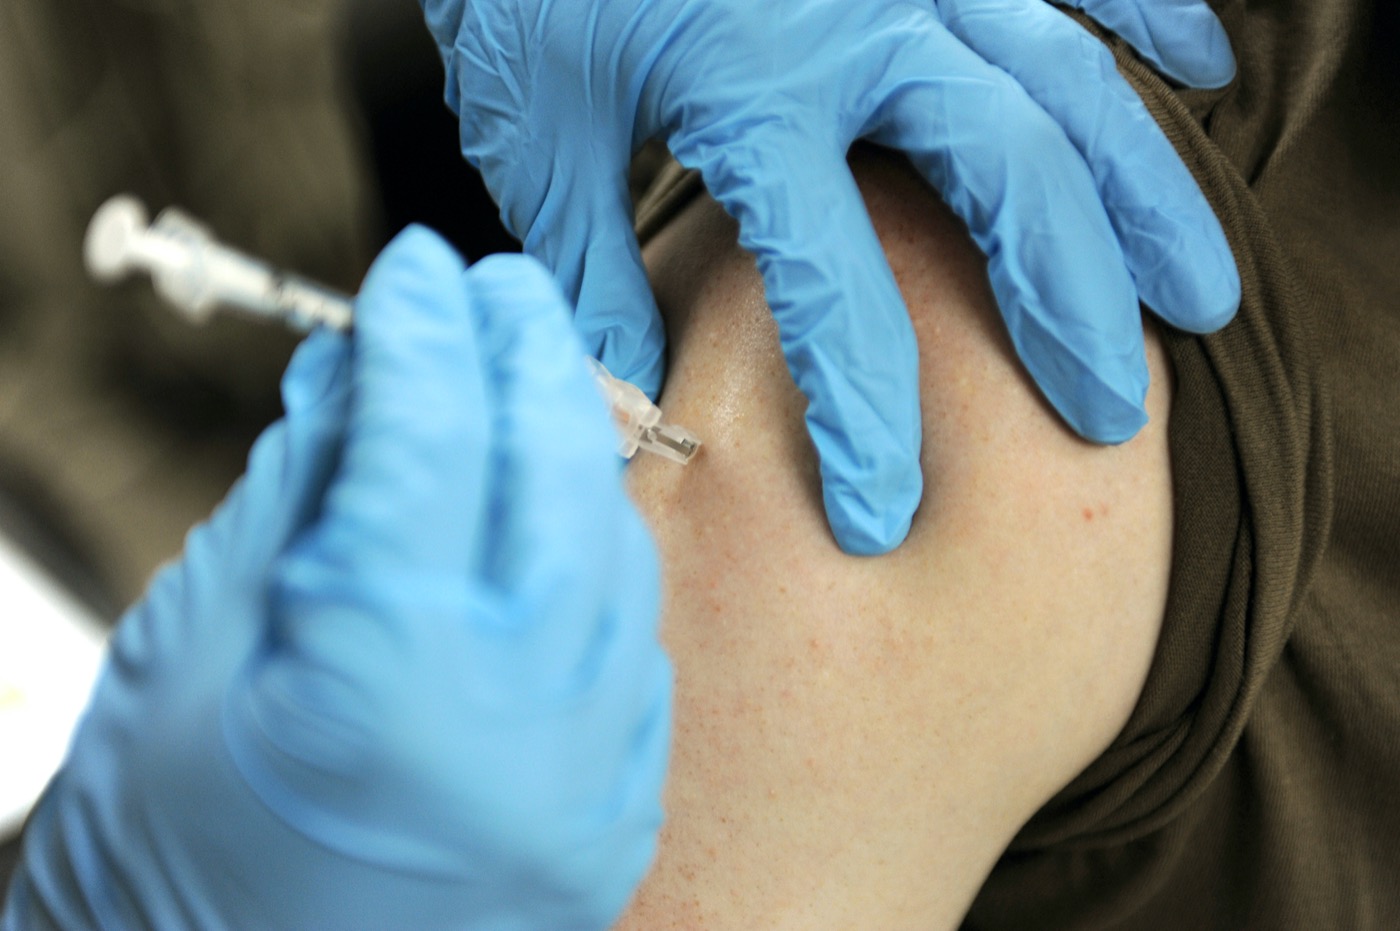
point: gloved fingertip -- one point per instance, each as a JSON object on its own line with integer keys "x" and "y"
{"x": 413, "y": 235}
{"x": 520, "y": 280}
{"x": 1217, "y": 308}
{"x": 416, "y": 256}
{"x": 1203, "y": 60}
{"x": 1198, "y": 290}
{"x": 1094, "y": 374}
{"x": 1109, "y": 420}
{"x": 1218, "y": 59}
{"x": 617, "y": 317}
{"x": 867, "y": 523}
{"x": 315, "y": 368}
{"x": 865, "y": 534}
{"x": 1101, "y": 393}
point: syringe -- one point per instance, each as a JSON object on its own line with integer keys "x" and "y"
{"x": 197, "y": 274}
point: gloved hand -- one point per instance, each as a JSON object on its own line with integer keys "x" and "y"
{"x": 765, "y": 98}
{"x": 1183, "y": 39}
{"x": 1153, "y": 203}
{"x": 407, "y": 676}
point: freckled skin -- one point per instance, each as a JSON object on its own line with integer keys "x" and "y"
{"x": 857, "y": 739}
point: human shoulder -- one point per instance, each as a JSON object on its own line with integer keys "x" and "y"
{"x": 858, "y": 739}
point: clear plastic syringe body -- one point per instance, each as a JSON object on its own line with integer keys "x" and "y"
{"x": 197, "y": 274}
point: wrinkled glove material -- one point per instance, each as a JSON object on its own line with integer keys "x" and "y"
{"x": 765, "y": 99}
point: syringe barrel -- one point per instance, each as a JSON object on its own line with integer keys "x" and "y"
{"x": 212, "y": 274}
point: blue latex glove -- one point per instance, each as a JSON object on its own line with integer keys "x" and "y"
{"x": 1152, "y": 199}
{"x": 1183, "y": 39}
{"x": 765, "y": 98}
{"x": 407, "y": 676}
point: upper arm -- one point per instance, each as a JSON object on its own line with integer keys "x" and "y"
{"x": 857, "y": 739}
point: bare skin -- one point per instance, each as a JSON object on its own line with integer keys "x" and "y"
{"x": 857, "y": 739}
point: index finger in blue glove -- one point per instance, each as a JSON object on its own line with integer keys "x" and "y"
{"x": 1030, "y": 203}
{"x": 844, "y": 328}
{"x": 1181, "y": 38}
{"x": 410, "y": 488}
{"x": 573, "y": 210}
{"x": 1171, "y": 239}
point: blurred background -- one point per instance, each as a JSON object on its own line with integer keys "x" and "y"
{"x": 306, "y": 132}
